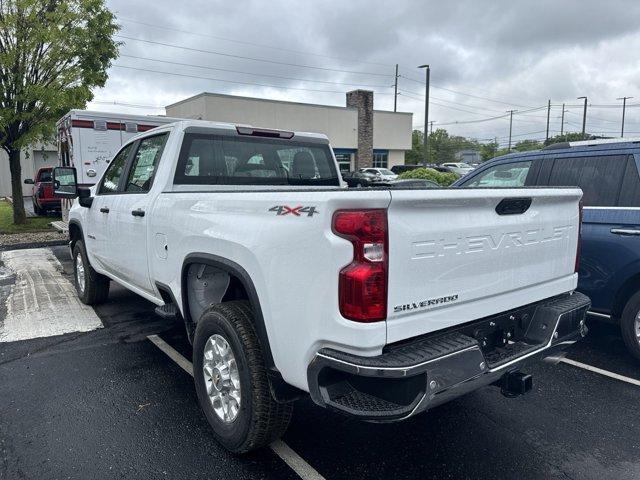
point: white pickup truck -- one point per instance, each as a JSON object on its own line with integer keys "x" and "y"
{"x": 379, "y": 303}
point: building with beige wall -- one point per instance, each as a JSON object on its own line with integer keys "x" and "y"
{"x": 31, "y": 159}
{"x": 391, "y": 130}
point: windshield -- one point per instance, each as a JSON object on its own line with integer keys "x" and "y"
{"x": 384, "y": 171}
{"x": 230, "y": 160}
{"x": 464, "y": 165}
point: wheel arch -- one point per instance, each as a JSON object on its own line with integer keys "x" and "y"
{"x": 236, "y": 271}
{"x": 624, "y": 293}
{"x": 75, "y": 233}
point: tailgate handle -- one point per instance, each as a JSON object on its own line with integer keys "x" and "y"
{"x": 513, "y": 206}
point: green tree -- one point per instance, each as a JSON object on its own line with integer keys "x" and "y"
{"x": 489, "y": 150}
{"x": 568, "y": 137}
{"x": 526, "y": 145}
{"x": 414, "y": 156}
{"x": 52, "y": 54}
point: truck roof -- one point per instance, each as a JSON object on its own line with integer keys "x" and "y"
{"x": 233, "y": 128}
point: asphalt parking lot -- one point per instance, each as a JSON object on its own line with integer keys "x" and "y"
{"x": 108, "y": 403}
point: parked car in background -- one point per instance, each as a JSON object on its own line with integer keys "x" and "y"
{"x": 42, "y": 192}
{"x": 359, "y": 179}
{"x": 382, "y": 173}
{"x": 400, "y": 169}
{"x": 607, "y": 172}
{"x": 460, "y": 168}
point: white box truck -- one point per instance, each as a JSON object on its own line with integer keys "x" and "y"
{"x": 88, "y": 140}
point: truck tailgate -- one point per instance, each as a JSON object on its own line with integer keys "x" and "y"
{"x": 453, "y": 258}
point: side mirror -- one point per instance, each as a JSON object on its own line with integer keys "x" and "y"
{"x": 84, "y": 197}
{"x": 65, "y": 183}
{"x": 29, "y": 181}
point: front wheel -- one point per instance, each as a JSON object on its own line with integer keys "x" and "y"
{"x": 92, "y": 287}
{"x": 231, "y": 380}
{"x": 630, "y": 325}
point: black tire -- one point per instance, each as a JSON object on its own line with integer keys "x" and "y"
{"x": 92, "y": 287}
{"x": 628, "y": 325}
{"x": 260, "y": 419}
{"x": 36, "y": 209}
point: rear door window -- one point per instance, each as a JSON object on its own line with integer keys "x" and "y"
{"x": 630, "y": 192}
{"x": 599, "y": 177}
{"x": 45, "y": 176}
{"x": 227, "y": 160}
{"x": 502, "y": 175}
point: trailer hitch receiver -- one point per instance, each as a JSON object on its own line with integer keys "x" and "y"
{"x": 515, "y": 383}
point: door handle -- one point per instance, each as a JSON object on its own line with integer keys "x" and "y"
{"x": 625, "y": 231}
{"x": 137, "y": 213}
{"x": 104, "y": 209}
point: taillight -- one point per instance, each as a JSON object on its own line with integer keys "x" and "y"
{"x": 362, "y": 285}
{"x": 578, "y": 249}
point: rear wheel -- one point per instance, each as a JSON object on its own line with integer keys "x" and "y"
{"x": 36, "y": 209}
{"x": 231, "y": 380}
{"x": 630, "y": 325}
{"x": 92, "y": 287}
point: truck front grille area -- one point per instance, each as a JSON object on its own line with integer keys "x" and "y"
{"x": 410, "y": 376}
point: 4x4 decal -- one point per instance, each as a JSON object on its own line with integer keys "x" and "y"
{"x": 296, "y": 211}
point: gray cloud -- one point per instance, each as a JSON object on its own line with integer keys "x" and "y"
{"x": 514, "y": 52}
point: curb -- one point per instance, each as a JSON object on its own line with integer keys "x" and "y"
{"x": 23, "y": 246}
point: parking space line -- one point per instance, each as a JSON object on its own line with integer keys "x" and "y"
{"x": 606, "y": 373}
{"x": 291, "y": 458}
{"x": 172, "y": 353}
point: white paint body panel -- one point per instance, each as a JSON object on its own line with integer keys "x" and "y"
{"x": 294, "y": 262}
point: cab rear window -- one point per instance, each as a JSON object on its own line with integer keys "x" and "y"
{"x": 227, "y": 160}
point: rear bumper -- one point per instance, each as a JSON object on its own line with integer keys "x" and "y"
{"x": 414, "y": 376}
{"x": 53, "y": 203}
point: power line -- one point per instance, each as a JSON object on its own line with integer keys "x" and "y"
{"x": 467, "y": 94}
{"x": 243, "y": 42}
{"x": 251, "y": 73}
{"x": 236, "y": 81}
{"x": 125, "y": 104}
{"x": 229, "y": 55}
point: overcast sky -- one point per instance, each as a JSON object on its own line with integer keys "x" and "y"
{"x": 486, "y": 58}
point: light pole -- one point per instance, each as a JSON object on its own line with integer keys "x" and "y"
{"x": 426, "y": 112}
{"x": 584, "y": 116}
{"x": 624, "y": 107}
{"x": 510, "y": 112}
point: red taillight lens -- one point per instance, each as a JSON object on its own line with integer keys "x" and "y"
{"x": 578, "y": 249}
{"x": 362, "y": 285}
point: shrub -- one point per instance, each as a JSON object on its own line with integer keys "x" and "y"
{"x": 441, "y": 178}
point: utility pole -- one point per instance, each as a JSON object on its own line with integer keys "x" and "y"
{"x": 395, "y": 91}
{"x": 426, "y": 112}
{"x": 624, "y": 107}
{"x": 510, "y": 112}
{"x": 430, "y": 132}
{"x": 562, "y": 121}
{"x": 584, "y": 116}
{"x": 548, "y": 113}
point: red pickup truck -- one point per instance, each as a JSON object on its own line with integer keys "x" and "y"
{"x": 42, "y": 192}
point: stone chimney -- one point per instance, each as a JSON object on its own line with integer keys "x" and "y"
{"x": 363, "y": 101}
